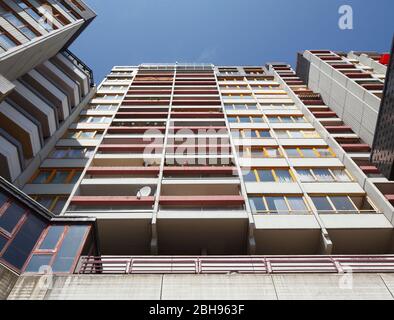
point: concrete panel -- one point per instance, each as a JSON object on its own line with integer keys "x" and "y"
{"x": 313, "y": 163}
{"x": 7, "y": 282}
{"x": 25, "y": 130}
{"x": 10, "y": 166}
{"x": 333, "y": 188}
{"x": 353, "y": 221}
{"x": 35, "y": 52}
{"x": 128, "y": 287}
{"x": 217, "y": 287}
{"x": 52, "y": 93}
{"x": 335, "y": 287}
{"x": 272, "y": 188}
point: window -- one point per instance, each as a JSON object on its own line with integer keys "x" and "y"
{"x": 52, "y": 238}
{"x": 247, "y": 133}
{"x": 55, "y": 204}
{"x": 53, "y": 12}
{"x": 59, "y": 249}
{"x": 245, "y": 119}
{"x": 95, "y": 119}
{"x": 260, "y": 152}
{"x": 284, "y": 134}
{"x": 56, "y": 176}
{"x": 23, "y": 243}
{"x": 68, "y": 10}
{"x": 11, "y": 216}
{"x": 6, "y": 42}
{"x": 110, "y": 96}
{"x": 279, "y": 205}
{"x": 71, "y": 153}
{"x": 240, "y": 107}
{"x": 323, "y": 175}
{"x": 335, "y": 204}
{"x": 39, "y": 17}
{"x": 103, "y": 107}
{"x": 83, "y": 134}
{"x": 257, "y": 204}
{"x": 309, "y": 152}
{"x": 268, "y": 175}
{"x": 286, "y": 119}
{"x": 17, "y": 22}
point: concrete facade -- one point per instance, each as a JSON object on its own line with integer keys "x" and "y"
{"x": 207, "y": 287}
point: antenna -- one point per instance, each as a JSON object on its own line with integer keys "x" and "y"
{"x": 144, "y": 192}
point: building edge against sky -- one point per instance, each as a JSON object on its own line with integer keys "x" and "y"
{"x": 277, "y": 162}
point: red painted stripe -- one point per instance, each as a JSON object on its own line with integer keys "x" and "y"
{"x": 122, "y": 170}
{"x": 202, "y": 200}
{"x": 106, "y": 200}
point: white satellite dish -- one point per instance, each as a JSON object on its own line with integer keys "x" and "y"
{"x": 144, "y": 192}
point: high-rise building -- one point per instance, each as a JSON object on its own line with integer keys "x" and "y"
{"x": 201, "y": 169}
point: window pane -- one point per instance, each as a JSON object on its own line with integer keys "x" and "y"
{"x": 28, "y": 33}
{"x": 323, "y": 175}
{"x": 266, "y": 175}
{"x": 297, "y": 204}
{"x": 273, "y": 153}
{"x": 265, "y": 134}
{"x": 6, "y": 42}
{"x": 273, "y": 119}
{"x": 244, "y": 119}
{"x": 249, "y": 176}
{"x": 305, "y": 175}
{"x": 59, "y": 154}
{"x": 257, "y": 204}
{"x": 296, "y": 134}
{"x": 308, "y": 153}
{"x": 282, "y": 134}
{"x": 59, "y": 206}
{"x": 75, "y": 177}
{"x": 20, "y": 248}
{"x": 277, "y": 204}
{"x": 60, "y": 177}
{"x": 343, "y": 203}
{"x": 87, "y": 135}
{"x": 42, "y": 177}
{"x": 249, "y": 133}
{"x": 67, "y": 253}
{"x": 52, "y": 238}
{"x": 341, "y": 175}
{"x": 37, "y": 261}
{"x": 292, "y": 153}
{"x": 76, "y": 153}
{"x": 321, "y": 203}
{"x": 45, "y": 201}
{"x": 258, "y": 120}
{"x": 284, "y": 176}
{"x": 324, "y": 153}
{"x": 11, "y": 217}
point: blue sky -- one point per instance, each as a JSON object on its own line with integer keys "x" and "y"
{"x": 227, "y": 32}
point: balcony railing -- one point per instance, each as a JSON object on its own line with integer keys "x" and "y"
{"x": 81, "y": 65}
{"x": 234, "y": 264}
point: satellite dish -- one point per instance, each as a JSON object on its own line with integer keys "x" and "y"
{"x": 144, "y": 192}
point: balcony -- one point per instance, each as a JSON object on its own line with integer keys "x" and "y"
{"x": 234, "y": 264}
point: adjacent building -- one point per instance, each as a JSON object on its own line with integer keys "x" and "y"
{"x": 42, "y": 84}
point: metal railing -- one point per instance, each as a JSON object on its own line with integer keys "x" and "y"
{"x": 80, "y": 64}
{"x": 234, "y": 264}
